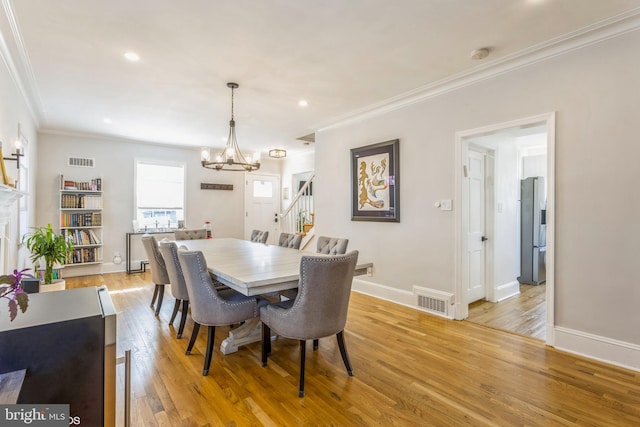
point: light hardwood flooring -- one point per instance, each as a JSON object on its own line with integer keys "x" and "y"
{"x": 411, "y": 369}
{"x": 523, "y": 314}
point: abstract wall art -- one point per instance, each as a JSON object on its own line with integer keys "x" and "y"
{"x": 375, "y": 182}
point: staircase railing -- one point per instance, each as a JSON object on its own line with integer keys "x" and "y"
{"x": 298, "y": 217}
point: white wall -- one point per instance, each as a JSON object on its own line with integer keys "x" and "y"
{"x": 14, "y": 111}
{"x": 115, "y": 163}
{"x": 594, "y": 92}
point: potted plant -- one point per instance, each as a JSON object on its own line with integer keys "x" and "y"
{"x": 44, "y": 243}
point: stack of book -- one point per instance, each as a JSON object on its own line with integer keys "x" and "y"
{"x": 93, "y": 185}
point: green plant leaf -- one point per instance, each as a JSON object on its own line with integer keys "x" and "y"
{"x": 13, "y": 309}
{"x": 7, "y": 279}
{"x": 23, "y": 301}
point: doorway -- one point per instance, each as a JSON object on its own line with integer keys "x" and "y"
{"x": 490, "y": 163}
{"x": 262, "y": 205}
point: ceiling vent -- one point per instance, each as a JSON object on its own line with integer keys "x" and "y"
{"x": 81, "y": 162}
{"x": 307, "y": 139}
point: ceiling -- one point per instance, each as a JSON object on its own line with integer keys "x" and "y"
{"x": 342, "y": 56}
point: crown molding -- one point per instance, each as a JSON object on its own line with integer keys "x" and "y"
{"x": 114, "y": 138}
{"x": 598, "y": 32}
{"x": 28, "y": 89}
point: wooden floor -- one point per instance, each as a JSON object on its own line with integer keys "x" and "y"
{"x": 411, "y": 369}
{"x": 523, "y": 314}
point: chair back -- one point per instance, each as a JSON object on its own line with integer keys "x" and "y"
{"x": 208, "y": 306}
{"x": 191, "y": 234}
{"x": 169, "y": 252}
{"x": 288, "y": 240}
{"x": 259, "y": 236}
{"x": 332, "y": 245}
{"x": 159, "y": 274}
{"x": 320, "y": 308}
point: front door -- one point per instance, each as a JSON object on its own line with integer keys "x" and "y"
{"x": 262, "y": 205}
{"x": 476, "y": 232}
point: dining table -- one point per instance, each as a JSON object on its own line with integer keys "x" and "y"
{"x": 253, "y": 269}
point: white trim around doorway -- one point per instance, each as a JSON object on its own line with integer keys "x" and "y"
{"x": 462, "y": 308}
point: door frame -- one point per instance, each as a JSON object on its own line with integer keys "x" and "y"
{"x": 461, "y": 141}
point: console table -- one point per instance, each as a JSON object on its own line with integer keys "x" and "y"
{"x": 143, "y": 264}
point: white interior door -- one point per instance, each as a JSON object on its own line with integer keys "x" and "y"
{"x": 262, "y": 205}
{"x": 476, "y": 232}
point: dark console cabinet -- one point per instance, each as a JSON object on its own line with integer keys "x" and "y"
{"x": 66, "y": 342}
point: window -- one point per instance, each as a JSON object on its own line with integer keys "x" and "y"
{"x": 159, "y": 194}
{"x": 262, "y": 189}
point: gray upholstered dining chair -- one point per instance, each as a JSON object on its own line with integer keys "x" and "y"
{"x": 332, "y": 245}
{"x": 169, "y": 251}
{"x": 288, "y": 240}
{"x": 191, "y": 234}
{"x": 319, "y": 310}
{"x": 325, "y": 245}
{"x": 159, "y": 274}
{"x": 259, "y": 236}
{"x": 211, "y": 307}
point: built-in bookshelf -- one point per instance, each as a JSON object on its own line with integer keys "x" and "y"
{"x": 81, "y": 219}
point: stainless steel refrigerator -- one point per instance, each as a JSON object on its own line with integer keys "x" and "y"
{"x": 533, "y": 231}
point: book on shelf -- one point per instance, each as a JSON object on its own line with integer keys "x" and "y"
{"x": 93, "y": 185}
{"x": 81, "y": 201}
{"x": 82, "y": 237}
{"x": 87, "y": 219}
{"x": 84, "y": 255}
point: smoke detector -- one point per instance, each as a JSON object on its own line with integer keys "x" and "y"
{"x": 480, "y": 53}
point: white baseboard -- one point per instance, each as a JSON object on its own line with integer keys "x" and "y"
{"x": 383, "y": 292}
{"x": 614, "y": 352}
{"x": 92, "y": 269}
{"x": 387, "y": 293}
{"x": 507, "y": 290}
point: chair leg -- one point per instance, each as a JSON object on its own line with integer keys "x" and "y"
{"x": 266, "y": 343}
{"x": 155, "y": 295}
{"x": 343, "y": 352}
{"x": 209, "y": 355}
{"x": 183, "y": 318}
{"x": 303, "y": 350}
{"x": 176, "y": 307}
{"x": 160, "y": 297}
{"x": 194, "y": 336}
{"x": 315, "y": 344}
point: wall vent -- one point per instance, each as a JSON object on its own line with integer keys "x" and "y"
{"x": 436, "y": 302}
{"x": 81, "y": 162}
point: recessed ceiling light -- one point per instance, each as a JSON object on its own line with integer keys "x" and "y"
{"x": 107, "y": 120}
{"x": 303, "y": 103}
{"x": 132, "y": 56}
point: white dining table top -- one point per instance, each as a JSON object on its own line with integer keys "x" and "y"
{"x": 253, "y": 268}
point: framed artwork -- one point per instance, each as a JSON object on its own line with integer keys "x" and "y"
{"x": 375, "y": 182}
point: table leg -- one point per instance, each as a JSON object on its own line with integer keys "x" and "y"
{"x": 247, "y": 333}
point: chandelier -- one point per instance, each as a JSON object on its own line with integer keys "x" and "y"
{"x": 231, "y": 158}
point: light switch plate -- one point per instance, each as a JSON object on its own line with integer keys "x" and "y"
{"x": 445, "y": 205}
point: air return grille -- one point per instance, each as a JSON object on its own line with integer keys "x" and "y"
{"x": 436, "y": 302}
{"x": 81, "y": 162}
